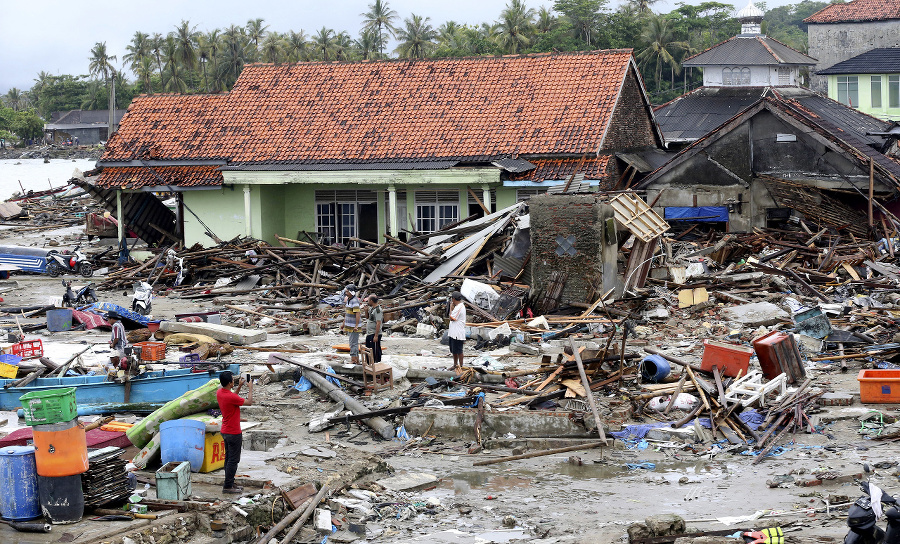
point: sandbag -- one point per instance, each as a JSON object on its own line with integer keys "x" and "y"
{"x": 189, "y": 338}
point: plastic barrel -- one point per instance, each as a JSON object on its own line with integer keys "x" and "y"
{"x": 654, "y": 368}
{"x": 62, "y": 500}
{"x": 60, "y": 449}
{"x": 59, "y": 320}
{"x": 183, "y": 440}
{"x": 19, "y": 498}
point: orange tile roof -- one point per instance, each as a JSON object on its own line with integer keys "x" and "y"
{"x": 856, "y": 11}
{"x": 136, "y": 177}
{"x": 554, "y": 169}
{"x": 459, "y": 108}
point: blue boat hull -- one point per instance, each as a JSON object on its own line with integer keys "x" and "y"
{"x": 149, "y": 388}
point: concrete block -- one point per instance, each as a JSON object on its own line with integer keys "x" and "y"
{"x": 322, "y": 520}
{"x": 410, "y": 480}
{"x": 667, "y": 434}
{"x": 525, "y": 348}
{"x": 756, "y": 314}
{"x": 836, "y": 399}
{"x": 222, "y": 333}
{"x": 460, "y": 423}
{"x": 665, "y": 524}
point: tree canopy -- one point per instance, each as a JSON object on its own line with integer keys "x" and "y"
{"x": 188, "y": 59}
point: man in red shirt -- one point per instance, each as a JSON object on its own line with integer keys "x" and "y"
{"x": 230, "y": 403}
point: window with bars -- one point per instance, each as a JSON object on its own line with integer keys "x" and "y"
{"x": 525, "y": 194}
{"x": 435, "y": 209}
{"x": 784, "y": 75}
{"x": 337, "y": 214}
{"x": 848, "y": 90}
{"x": 736, "y": 76}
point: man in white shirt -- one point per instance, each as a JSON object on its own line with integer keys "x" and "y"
{"x": 457, "y": 329}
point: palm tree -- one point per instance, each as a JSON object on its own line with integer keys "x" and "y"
{"x": 138, "y": 49}
{"x": 516, "y": 27}
{"x": 156, "y": 43}
{"x": 325, "y": 42}
{"x": 416, "y": 38}
{"x": 256, "y": 31}
{"x": 186, "y": 39}
{"x": 144, "y": 72}
{"x": 658, "y": 42}
{"x": 234, "y": 53}
{"x": 296, "y": 46}
{"x": 642, "y": 6}
{"x": 174, "y": 77}
{"x": 343, "y": 46}
{"x": 368, "y": 45}
{"x": 93, "y": 96}
{"x": 545, "y": 20}
{"x": 209, "y": 46}
{"x": 13, "y": 99}
{"x": 101, "y": 61}
{"x": 272, "y": 48}
{"x": 380, "y": 16}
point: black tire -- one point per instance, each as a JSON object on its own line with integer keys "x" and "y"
{"x": 53, "y": 269}
{"x": 86, "y": 269}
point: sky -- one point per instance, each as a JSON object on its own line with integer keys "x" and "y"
{"x": 56, "y": 36}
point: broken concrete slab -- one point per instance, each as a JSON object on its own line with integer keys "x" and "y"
{"x": 756, "y": 314}
{"x": 410, "y": 480}
{"x": 222, "y": 333}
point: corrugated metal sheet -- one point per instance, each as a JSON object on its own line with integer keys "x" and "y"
{"x": 750, "y": 50}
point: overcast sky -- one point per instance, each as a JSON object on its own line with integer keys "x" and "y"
{"x": 56, "y": 36}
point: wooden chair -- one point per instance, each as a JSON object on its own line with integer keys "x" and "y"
{"x": 376, "y": 377}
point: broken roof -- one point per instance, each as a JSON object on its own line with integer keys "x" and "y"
{"x": 846, "y": 138}
{"x": 884, "y": 60}
{"x": 857, "y": 11}
{"x": 459, "y": 108}
{"x": 750, "y": 50}
{"x": 695, "y": 114}
{"x": 138, "y": 177}
{"x": 594, "y": 168}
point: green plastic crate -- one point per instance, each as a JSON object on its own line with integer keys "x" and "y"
{"x": 47, "y": 407}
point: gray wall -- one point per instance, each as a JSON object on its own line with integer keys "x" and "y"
{"x": 836, "y": 42}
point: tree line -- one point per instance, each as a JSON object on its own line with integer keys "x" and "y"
{"x": 187, "y": 60}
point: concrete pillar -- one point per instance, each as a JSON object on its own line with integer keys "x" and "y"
{"x": 486, "y": 197}
{"x": 120, "y": 216}
{"x": 248, "y": 227}
{"x": 392, "y": 211}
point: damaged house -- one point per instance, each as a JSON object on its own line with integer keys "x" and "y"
{"x": 353, "y": 150}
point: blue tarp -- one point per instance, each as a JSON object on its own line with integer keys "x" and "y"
{"x": 103, "y": 307}
{"x": 701, "y": 213}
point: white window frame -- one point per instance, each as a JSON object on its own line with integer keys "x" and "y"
{"x": 523, "y": 195}
{"x": 875, "y": 91}
{"x": 894, "y": 91}
{"x": 784, "y": 75}
{"x": 726, "y": 76}
{"x": 745, "y": 76}
{"x": 337, "y": 214}
{"x": 435, "y": 209}
{"x": 846, "y": 86}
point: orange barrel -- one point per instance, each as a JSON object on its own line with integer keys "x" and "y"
{"x": 60, "y": 449}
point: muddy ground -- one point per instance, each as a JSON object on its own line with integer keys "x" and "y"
{"x": 586, "y": 496}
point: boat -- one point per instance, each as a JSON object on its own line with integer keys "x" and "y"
{"x": 25, "y": 259}
{"x": 152, "y": 387}
{"x": 31, "y": 195}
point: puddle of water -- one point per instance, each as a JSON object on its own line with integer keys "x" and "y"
{"x": 463, "y": 482}
{"x": 500, "y": 536}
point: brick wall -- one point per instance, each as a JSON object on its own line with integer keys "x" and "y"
{"x": 567, "y": 215}
{"x": 630, "y": 127}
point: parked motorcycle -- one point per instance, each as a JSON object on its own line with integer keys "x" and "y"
{"x": 85, "y": 295}
{"x": 865, "y": 512}
{"x": 142, "y": 297}
{"x": 75, "y": 262}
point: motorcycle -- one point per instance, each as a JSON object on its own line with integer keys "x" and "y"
{"x": 864, "y": 513}
{"x": 75, "y": 262}
{"x": 142, "y": 297}
{"x": 85, "y": 295}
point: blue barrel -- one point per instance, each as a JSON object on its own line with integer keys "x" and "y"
{"x": 182, "y": 440}
{"x": 59, "y": 320}
{"x": 19, "y": 499}
{"x": 62, "y": 499}
{"x": 654, "y": 368}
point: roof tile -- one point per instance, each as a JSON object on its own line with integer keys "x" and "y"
{"x": 459, "y": 108}
{"x": 137, "y": 177}
{"x": 857, "y": 11}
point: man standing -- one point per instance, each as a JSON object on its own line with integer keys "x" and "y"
{"x": 373, "y": 327}
{"x": 457, "y": 329}
{"x": 352, "y": 319}
{"x": 230, "y": 403}
{"x": 117, "y": 339}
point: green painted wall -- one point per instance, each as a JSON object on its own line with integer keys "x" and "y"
{"x": 506, "y": 197}
{"x": 268, "y": 212}
{"x": 299, "y": 209}
{"x": 865, "y": 96}
{"x": 221, "y": 209}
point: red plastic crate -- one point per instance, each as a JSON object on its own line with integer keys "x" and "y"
{"x": 730, "y": 358}
{"x": 879, "y": 386}
{"x": 28, "y": 349}
{"x": 152, "y": 351}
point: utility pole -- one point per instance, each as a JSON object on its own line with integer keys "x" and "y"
{"x": 112, "y": 106}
